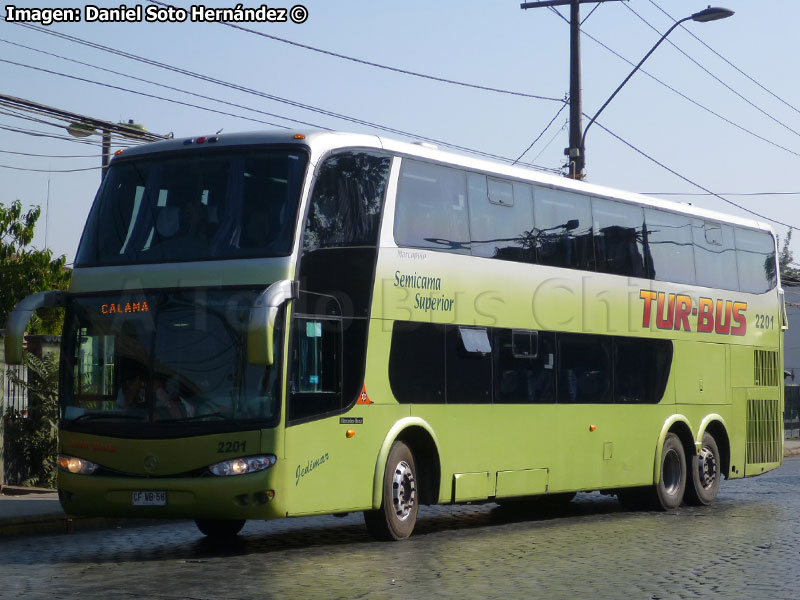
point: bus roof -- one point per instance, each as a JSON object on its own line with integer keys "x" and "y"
{"x": 321, "y": 142}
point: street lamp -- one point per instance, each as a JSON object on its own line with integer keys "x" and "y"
{"x": 704, "y": 16}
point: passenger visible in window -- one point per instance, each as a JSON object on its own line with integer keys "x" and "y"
{"x": 169, "y": 404}
{"x": 194, "y": 228}
{"x": 131, "y": 392}
{"x": 257, "y": 231}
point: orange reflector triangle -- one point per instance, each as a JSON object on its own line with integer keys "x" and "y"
{"x": 363, "y": 398}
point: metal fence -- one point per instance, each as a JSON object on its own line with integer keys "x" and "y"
{"x": 16, "y": 396}
{"x": 791, "y": 410}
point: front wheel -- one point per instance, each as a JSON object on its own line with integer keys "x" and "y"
{"x": 706, "y": 474}
{"x": 220, "y": 529}
{"x": 668, "y": 493}
{"x": 396, "y": 517}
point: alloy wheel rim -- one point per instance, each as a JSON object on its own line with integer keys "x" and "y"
{"x": 404, "y": 490}
{"x": 707, "y": 465}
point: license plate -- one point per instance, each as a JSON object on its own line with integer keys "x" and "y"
{"x": 149, "y": 498}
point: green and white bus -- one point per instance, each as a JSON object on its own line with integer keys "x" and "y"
{"x": 276, "y": 324}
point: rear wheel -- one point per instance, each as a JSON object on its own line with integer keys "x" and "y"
{"x": 706, "y": 475}
{"x": 220, "y": 529}
{"x": 668, "y": 493}
{"x": 396, "y": 517}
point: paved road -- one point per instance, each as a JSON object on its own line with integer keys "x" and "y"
{"x": 746, "y": 545}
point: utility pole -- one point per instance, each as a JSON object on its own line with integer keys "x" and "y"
{"x": 82, "y": 126}
{"x": 575, "y": 152}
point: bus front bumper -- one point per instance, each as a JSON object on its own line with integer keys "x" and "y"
{"x": 252, "y": 496}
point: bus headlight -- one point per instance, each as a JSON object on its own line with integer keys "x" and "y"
{"x": 72, "y": 464}
{"x": 242, "y": 466}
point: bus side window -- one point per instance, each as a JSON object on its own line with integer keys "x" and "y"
{"x": 563, "y": 229}
{"x": 670, "y": 245}
{"x": 417, "y": 362}
{"x": 524, "y": 366}
{"x": 755, "y": 259}
{"x": 715, "y": 255}
{"x": 618, "y": 238}
{"x": 584, "y": 369}
{"x": 432, "y": 208}
{"x": 469, "y": 365}
{"x": 641, "y": 369}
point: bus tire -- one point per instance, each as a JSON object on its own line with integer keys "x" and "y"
{"x": 668, "y": 493}
{"x": 396, "y": 517}
{"x": 706, "y": 475}
{"x": 219, "y": 529}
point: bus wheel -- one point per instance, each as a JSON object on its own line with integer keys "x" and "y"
{"x": 396, "y": 517}
{"x": 706, "y": 475}
{"x": 220, "y": 529}
{"x": 672, "y": 481}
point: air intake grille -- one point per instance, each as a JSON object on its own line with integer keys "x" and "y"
{"x": 765, "y": 368}
{"x": 764, "y": 431}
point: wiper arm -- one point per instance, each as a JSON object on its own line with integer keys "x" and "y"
{"x": 113, "y": 415}
{"x": 218, "y": 415}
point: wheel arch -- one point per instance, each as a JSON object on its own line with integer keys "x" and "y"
{"x": 715, "y": 425}
{"x": 419, "y": 436}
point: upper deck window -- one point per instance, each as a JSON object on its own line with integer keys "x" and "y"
{"x": 189, "y": 206}
{"x": 432, "y": 208}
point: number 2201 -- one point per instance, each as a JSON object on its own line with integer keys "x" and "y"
{"x": 765, "y": 321}
{"x": 223, "y": 447}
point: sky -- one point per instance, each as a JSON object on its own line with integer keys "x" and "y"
{"x": 726, "y": 118}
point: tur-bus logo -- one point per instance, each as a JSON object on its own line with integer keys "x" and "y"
{"x": 677, "y": 312}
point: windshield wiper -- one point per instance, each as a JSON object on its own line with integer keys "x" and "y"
{"x": 218, "y": 415}
{"x": 91, "y": 416}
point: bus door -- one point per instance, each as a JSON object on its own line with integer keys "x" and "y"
{"x": 320, "y": 454}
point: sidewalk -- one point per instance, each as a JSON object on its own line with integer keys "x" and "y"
{"x": 30, "y": 511}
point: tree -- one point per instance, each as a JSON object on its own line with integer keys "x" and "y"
{"x": 25, "y": 270}
{"x": 790, "y": 275}
{"x": 31, "y": 440}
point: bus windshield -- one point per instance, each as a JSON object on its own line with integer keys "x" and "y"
{"x": 174, "y": 357}
{"x": 189, "y": 206}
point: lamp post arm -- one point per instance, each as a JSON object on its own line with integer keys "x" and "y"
{"x": 621, "y": 85}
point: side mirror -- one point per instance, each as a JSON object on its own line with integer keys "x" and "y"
{"x": 20, "y": 317}
{"x": 571, "y": 224}
{"x": 261, "y": 327}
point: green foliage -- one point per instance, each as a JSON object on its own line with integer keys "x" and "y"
{"x": 790, "y": 275}
{"x": 25, "y": 270}
{"x": 31, "y": 442}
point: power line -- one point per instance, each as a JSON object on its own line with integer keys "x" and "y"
{"x": 52, "y": 155}
{"x": 552, "y": 139}
{"x": 163, "y": 85}
{"x": 37, "y": 133}
{"x": 50, "y": 170}
{"x": 723, "y": 193}
{"x": 684, "y": 96}
{"x": 256, "y": 93}
{"x": 378, "y": 65}
{"x": 560, "y": 110}
{"x": 710, "y": 74}
{"x": 689, "y": 181}
{"x": 770, "y": 92}
{"x": 139, "y": 93}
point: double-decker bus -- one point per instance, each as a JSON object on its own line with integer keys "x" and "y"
{"x": 268, "y": 325}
